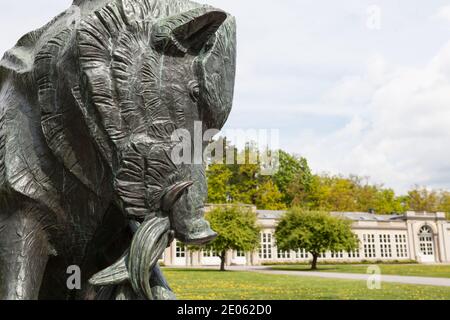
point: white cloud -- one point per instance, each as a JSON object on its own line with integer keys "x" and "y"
{"x": 400, "y": 136}
{"x": 443, "y": 13}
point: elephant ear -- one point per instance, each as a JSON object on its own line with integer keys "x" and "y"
{"x": 62, "y": 123}
{"x": 216, "y": 71}
{"x": 188, "y": 31}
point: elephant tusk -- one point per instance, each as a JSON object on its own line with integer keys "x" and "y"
{"x": 137, "y": 263}
{"x": 115, "y": 274}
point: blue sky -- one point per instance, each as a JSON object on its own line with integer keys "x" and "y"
{"x": 355, "y": 86}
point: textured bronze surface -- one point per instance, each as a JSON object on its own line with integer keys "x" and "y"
{"x": 88, "y": 106}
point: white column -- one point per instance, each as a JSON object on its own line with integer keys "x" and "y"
{"x": 188, "y": 257}
{"x": 253, "y": 258}
{"x": 228, "y": 257}
{"x": 411, "y": 241}
{"x": 446, "y": 241}
{"x": 168, "y": 256}
{"x": 441, "y": 241}
{"x": 173, "y": 253}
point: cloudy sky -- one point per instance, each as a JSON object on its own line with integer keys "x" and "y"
{"x": 355, "y": 86}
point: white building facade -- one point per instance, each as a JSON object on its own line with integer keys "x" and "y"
{"x": 413, "y": 236}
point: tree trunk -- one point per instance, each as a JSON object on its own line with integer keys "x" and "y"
{"x": 314, "y": 261}
{"x": 222, "y": 260}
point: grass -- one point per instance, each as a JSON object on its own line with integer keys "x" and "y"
{"x": 192, "y": 284}
{"x": 420, "y": 270}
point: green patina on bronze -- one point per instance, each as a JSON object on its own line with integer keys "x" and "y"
{"x": 88, "y": 106}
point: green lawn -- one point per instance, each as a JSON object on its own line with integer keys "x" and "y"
{"x": 421, "y": 270}
{"x": 190, "y": 284}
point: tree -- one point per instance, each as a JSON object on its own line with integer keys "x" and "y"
{"x": 341, "y": 194}
{"x": 376, "y": 197}
{"x": 353, "y": 193}
{"x": 386, "y": 202}
{"x": 241, "y": 182}
{"x": 292, "y": 170}
{"x": 315, "y": 232}
{"x": 444, "y": 203}
{"x": 268, "y": 197}
{"x": 422, "y": 199}
{"x": 237, "y": 228}
{"x": 328, "y": 193}
{"x": 245, "y": 181}
{"x": 219, "y": 189}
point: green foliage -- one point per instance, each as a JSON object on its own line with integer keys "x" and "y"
{"x": 386, "y": 202}
{"x": 292, "y": 170}
{"x": 219, "y": 188}
{"x": 422, "y": 199}
{"x": 268, "y": 197}
{"x": 315, "y": 232}
{"x": 237, "y": 228}
{"x": 336, "y": 193}
{"x": 295, "y": 185}
{"x": 444, "y": 203}
{"x": 242, "y": 182}
{"x": 245, "y": 182}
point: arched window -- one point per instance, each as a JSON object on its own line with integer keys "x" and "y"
{"x": 426, "y": 241}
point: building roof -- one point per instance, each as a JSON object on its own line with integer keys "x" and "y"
{"x": 270, "y": 214}
{"x": 356, "y": 216}
{"x": 365, "y": 216}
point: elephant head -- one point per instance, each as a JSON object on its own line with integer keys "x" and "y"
{"x": 146, "y": 77}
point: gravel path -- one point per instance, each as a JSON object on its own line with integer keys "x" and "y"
{"x": 445, "y": 282}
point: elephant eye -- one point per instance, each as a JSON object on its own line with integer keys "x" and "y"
{"x": 194, "y": 90}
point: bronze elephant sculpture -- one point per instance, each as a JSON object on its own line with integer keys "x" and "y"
{"x": 88, "y": 109}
